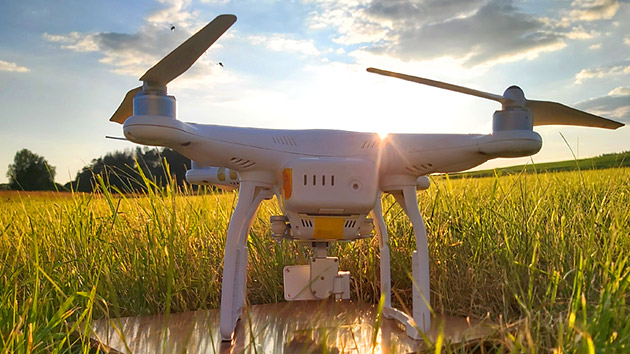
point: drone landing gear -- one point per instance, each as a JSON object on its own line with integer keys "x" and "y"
{"x": 321, "y": 278}
{"x": 421, "y": 320}
{"x": 235, "y": 260}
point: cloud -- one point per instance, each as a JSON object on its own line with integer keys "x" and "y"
{"x": 591, "y": 10}
{"x": 620, "y": 91}
{"x": 132, "y": 54}
{"x": 281, "y": 43}
{"x": 351, "y": 20}
{"x": 473, "y": 31}
{"x": 12, "y": 67}
{"x": 615, "y": 105}
{"x": 497, "y": 32}
{"x": 579, "y": 32}
{"x": 75, "y": 41}
{"x": 370, "y": 21}
{"x": 603, "y": 72}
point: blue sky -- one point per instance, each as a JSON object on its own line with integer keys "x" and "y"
{"x": 66, "y": 65}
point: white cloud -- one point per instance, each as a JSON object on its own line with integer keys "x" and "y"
{"x": 61, "y": 38}
{"x": 12, "y": 67}
{"x": 474, "y": 31}
{"x": 351, "y": 20}
{"x": 496, "y": 32}
{"x": 75, "y": 41}
{"x": 132, "y": 54}
{"x": 590, "y": 10}
{"x": 176, "y": 12}
{"x": 615, "y": 107}
{"x": 602, "y": 72}
{"x": 620, "y": 91}
{"x": 595, "y": 46}
{"x": 281, "y": 43}
{"x": 580, "y": 33}
{"x": 626, "y": 41}
{"x": 371, "y": 21}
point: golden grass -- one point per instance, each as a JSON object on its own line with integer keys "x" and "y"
{"x": 546, "y": 253}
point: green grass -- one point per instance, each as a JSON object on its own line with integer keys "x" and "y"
{"x": 614, "y": 160}
{"x": 545, "y": 255}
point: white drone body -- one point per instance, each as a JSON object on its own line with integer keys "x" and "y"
{"x": 328, "y": 183}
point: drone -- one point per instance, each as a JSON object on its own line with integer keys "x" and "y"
{"x": 328, "y": 183}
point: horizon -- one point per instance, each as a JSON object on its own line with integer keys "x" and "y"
{"x": 66, "y": 68}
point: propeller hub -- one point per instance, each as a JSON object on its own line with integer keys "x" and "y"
{"x": 147, "y": 103}
{"x": 516, "y": 95}
{"x": 149, "y": 88}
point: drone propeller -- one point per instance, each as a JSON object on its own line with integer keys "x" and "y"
{"x": 543, "y": 112}
{"x": 175, "y": 63}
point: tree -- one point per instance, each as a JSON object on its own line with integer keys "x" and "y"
{"x": 116, "y": 168}
{"x": 120, "y": 169}
{"x": 30, "y": 172}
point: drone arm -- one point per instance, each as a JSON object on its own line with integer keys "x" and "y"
{"x": 423, "y": 154}
{"x": 159, "y": 130}
{"x": 250, "y": 195}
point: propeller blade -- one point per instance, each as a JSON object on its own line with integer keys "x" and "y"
{"x": 550, "y": 113}
{"x": 125, "y": 110}
{"x": 443, "y": 85}
{"x": 184, "y": 56}
{"x": 543, "y": 112}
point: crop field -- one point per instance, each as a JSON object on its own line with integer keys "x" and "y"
{"x": 545, "y": 256}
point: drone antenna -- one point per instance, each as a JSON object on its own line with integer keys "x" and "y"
{"x": 115, "y": 137}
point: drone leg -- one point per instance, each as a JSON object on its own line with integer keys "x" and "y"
{"x": 235, "y": 260}
{"x": 420, "y": 259}
{"x": 241, "y": 260}
{"x": 383, "y": 242}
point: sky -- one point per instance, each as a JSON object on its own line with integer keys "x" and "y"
{"x": 66, "y": 65}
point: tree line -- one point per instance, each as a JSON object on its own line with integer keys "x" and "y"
{"x": 125, "y": 171}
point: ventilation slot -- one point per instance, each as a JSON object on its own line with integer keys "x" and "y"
{"x": 369, "y": 144}
{"x": 319, "y": 180}
{"x": 422, "y": 168}
{"x": 284, "y": 140}
{"x": 241, "y": 163}
{"x": 307, "y": 222}
{"x": 350, "y": 224}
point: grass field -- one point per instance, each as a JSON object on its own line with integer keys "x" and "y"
{"x": 613, "y": 160}
{"x": 545, "y": 255}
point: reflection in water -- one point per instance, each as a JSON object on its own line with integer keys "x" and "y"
{"x": 288, "y": 327}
